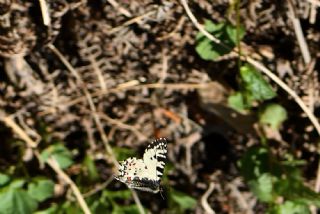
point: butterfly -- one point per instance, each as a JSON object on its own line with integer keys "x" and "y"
{"x": 145, "y": 174}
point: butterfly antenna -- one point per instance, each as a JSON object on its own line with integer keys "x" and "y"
{"x": 161, "y": 190}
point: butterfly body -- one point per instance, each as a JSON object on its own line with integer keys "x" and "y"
{"x": 145, "y": 174}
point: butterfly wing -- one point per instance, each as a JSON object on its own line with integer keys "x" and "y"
{"x": 130, "y": 170}
{"x": 154, "y": 158}
{"x": 145, "y": 174}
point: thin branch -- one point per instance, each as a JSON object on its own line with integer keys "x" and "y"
{"x": 89, "y": 131}
{"x": 164, "y": 70}
{"x": 317, "y": 185}
{"x": 240, "y": 198}
{"x": 175, "y": 30}
{"x": 122, "y": 10}
{"x": 172, "y": 86}
{"x": 45, "y": 12}
{"x": 98, "y": 72}
{"x": 122, "y": 125}
{"x": 137, "y": 200}
{"x": 98, "y": 188}
{"x": 130, "y": 22}
{"x": 55, "y": 166}
{"x": 136, "y": 86}
{"x": 299, "y": 34}
{"x": 64, "y": 61}
{"x": 204, "y": 199}
{"x": 313, "y": 14}
{"x": 19, "y": 131}
{"x": 314, "y": 2}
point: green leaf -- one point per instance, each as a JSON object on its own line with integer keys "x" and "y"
{"x": 290, "y": 207}
{"x": 123, "y": 153}
{"x": 225, "y": 32}
{"x": 51, "y": 210}
{"x": 4, "y": 179}
{"x": 232, "y": 33}
{"x": 129, "y": 209}
{"x": 91, "y": 168}
{"x": 263, "y": 187}
{"x": 213, "y": 28}
{"x": 292, "y": 162}
{"x": 169, "y": 167}
{"x": 17, "y": 201}
{"x": 17, "y": 184}
{"x": 206, "y": 50}
{"x": 60, "y": 153}
{"x": 269, "y": 178}
{"x": 254, "y": 86}
{"x": 183, "y": 200}
{"x": 100, "y": 205}
{"x": 69, "y": 207}
{"x": 122, "y": 194}
{"x": 41, "y": 189}
{"x": 235, "y": 101}
{"x": 293, "y": 189}
{"x": 273, "y": 115}
{"x": 254, "y": 163}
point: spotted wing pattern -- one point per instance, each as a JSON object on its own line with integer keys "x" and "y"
{"x": 145, "y": 174}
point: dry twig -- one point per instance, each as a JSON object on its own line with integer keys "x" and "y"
{"x": 135, "y": 85}
{"x": 121, "y": 9}
{"x": 45, "y": 12}
{"x": 121, "y": 125}
{"x": 98, "y": 188}
{"x": 299, "y": 34}
{"x": 315, "y": 2}
{"x": 55, "y": 166}
{"x": 241, "y": 200}
{"x": 20, "y": 132}
{"x": 130, "y": 22}
{"x": 204, "y": 200}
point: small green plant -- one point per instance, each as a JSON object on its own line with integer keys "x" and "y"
{"x": 279, "y": 183}
{"x": 253, "y": 88}
{"x": 272, "y": 114}
{"x": 223, "y": 31}
{"x": 20, "y": 196}
{"x": 181, "y": 202}
{"x": 90, "y": 168}
{"x": 272, "y": 181}
{"x": 109, "y": 200}
{"x": 60, "y": 153}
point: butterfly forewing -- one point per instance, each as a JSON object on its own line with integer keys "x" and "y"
{"x": 154, "y": 157}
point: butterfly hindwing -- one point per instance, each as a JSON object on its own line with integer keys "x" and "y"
{"x": 145, "y": 174}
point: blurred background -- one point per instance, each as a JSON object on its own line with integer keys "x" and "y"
{"x": 233, "y": 86}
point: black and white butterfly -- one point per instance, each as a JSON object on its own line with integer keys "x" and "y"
{"x": 145, "y": 174}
